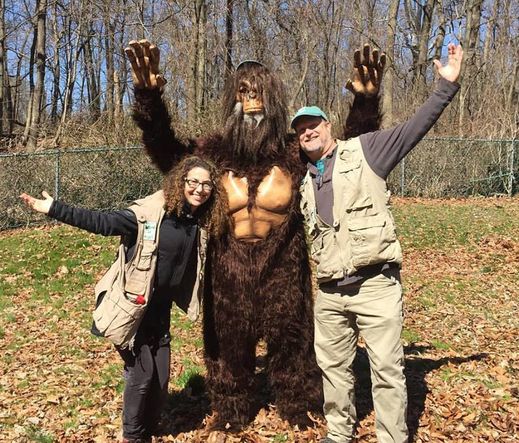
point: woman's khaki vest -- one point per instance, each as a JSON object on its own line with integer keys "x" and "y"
{"x": 363, "y": 231}
{"x": 123, "y": 293}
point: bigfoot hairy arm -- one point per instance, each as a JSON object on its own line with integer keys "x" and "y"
{"x": 149, "y": 110}
{"x": 365, "y": 115}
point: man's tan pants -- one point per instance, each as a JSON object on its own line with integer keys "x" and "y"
{"x": 373, "y": 309}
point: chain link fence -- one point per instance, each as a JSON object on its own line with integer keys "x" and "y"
{"x": 108, "y": 178}
{"x": 457, "y": 167}
{"x": 100, "y": 178}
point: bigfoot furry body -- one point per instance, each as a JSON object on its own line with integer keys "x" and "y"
{"x": 258, "y": 275}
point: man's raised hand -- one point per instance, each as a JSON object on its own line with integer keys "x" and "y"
{"x": 451, "y": 70}
{"x": 367, "y": 72}
{"x": 145, "y": 58}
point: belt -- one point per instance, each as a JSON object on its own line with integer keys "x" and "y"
{"x": 360, "y": 276}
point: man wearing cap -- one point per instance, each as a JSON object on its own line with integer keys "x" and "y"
{"x": 345, "y": 203}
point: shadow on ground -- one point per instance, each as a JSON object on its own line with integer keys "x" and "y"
{"x": 187, "y": 409}
{"x": 416, "y": 369}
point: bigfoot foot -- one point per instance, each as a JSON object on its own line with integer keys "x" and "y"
{"x": 230, "y": 412}
{"x": 301, "y": 414}
{"x": 302, "y": 420}
{"x": 215, "y": 422}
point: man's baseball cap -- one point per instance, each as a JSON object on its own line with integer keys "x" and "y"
{"x": 308, "y": 111}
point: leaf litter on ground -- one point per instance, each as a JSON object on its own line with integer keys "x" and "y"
{"x": 460, "y": 276}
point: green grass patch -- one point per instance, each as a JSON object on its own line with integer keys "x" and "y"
{"x": 440, "y": 344}
{"x": 191, "y": 372}
{"x": 38, "y": 435}
{"x": 279, "y": 438}
{"x": 491, "y": 384}
{"x": 445, "y": 226}
{"x": 410, "y": 336}
{"x": 111, "y": 376}
{"x": 180, "y": 320}
{"x": 71, "y": 424}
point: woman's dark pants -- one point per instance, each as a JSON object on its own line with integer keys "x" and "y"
{"x": 146, "y": 376}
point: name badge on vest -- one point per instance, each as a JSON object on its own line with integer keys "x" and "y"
{"x": 150, "y": 228}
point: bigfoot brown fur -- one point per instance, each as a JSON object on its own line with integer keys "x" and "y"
{"x": 258, "y": 282}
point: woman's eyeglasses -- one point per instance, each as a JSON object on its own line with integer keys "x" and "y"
{"x": 193, "y": 183}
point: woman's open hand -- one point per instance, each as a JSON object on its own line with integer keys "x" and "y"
{"x": 36, "y": 204}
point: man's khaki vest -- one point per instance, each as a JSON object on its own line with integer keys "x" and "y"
{"x": 363, "y": 231}
{"x": 118, "y": 314}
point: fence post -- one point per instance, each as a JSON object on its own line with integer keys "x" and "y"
{"x": 402, "y": 177}
{"x": 511, "y": 155}
{"x": 57, "y": 174}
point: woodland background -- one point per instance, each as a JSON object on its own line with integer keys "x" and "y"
{"x": 64, "y": 79}
{"x": 64, "y": 83}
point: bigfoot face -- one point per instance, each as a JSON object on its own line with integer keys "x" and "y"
{"x": 255, "y": 113}
{"x": 250, "y": 98}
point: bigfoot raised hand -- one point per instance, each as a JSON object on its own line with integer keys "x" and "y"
{"x": 149, "y": 111}
{"x": 367, "y": 72}
{"x": 145, "y": 59}
{"x": 365, "y": 84}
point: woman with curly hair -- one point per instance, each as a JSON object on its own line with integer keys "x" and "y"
{"x": 194, "y": 205}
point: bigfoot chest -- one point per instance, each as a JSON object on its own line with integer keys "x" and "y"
{"x": 253, "y": 222}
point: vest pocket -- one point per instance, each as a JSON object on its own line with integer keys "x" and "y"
{"x": 349, "y": 165}
{"x": 372, "y": 239}
{"x": 116, "y": 317}
{"x": 324, "y": 251}
{"x": 355, "y": 193}
{"x": 136, "y": 281}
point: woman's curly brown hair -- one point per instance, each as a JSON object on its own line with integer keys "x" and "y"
{"x": 212, "y": 215}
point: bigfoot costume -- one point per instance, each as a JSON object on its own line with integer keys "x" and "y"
{"x": 258, "y": 281}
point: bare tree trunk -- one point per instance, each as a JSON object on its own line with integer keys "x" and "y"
{"x": 490, "y": 34}
{"x": 356, "y": 23}
{"x": 3, "y": 108}
{"x": 423, "y": 20}
{"x": 15, "y": 85}
{"x": 94, "y": 99}
{"x": 229, "y": 21}
{"x": 201, "y": 58}
{"x": 28, "y": 113}
{"x": 337, "y": 25}
{"x": 257, "y": 36}
{"x": 73, "y": 53}
{"x": 9, "y": 116}
{"x": 470, "y": 63}
{"x": 512, "y": 95}
{"x": 36, "y": 102}
{"x": 389, "y": 82}
{"x": 117, "y": 99}
{"x": 109, "y": 50}
{"x": 440, "y": 35}
{"x": 197, "y": 83}
{"x": 56, "y": 68}
{"x": 122, "y": 71}
{"x": 370, "y": 18}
